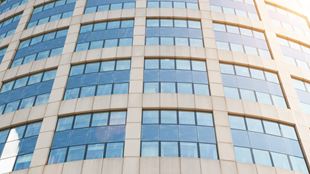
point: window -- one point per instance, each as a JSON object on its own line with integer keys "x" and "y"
{"x": 231, "y": 93}
{"x": 24, "y": 137}
{"x": 95, "y": 135}
{"x": 97, "y": 79}
{"x": 243, "y": 155}
{"x": 40, "y": 47}
{"x": 261, "y": 142}
{"x": 149, "y": 149}
{"x": 262, "y": 157}
{"x": 162, "y": 31}
{"x": 171, "y": 133}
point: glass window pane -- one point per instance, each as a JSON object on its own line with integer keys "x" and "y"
{"x": 166, "y": 41}
{"x": 243, "y": 155}
{"x": 150, "y": 117}
{"x": 231, "y": 93}
{"x": 92, "y": 67}
{"x": 167, "y": 87}
{"x": 123, "y": 64}
{"x": 254, "y": 125}
{"x": 88, "y": 91}
{"x": 271, "y": 77}
{"x": 104, "y": 89}
{"x": 272, "y": 128}
{"x": 167, "y": 64}
{"x": 49, "y": 75}
{"x": 232, "y": 29}
{"x": 27, "y": 103}
{"x": 117, "y": 118}
{"x": 186, "y": 117}
{"x": 42, "y": 99}
{"x": 23, "y": 162}
{"x": 149, "y": 149}
{"x": 100, "y": 119}
{"x": 152, "y": 41}
{"x": 242, "y": 71}
{"x": 280, "y": 160}
{"x": 257, "y": 74}
{"x": 166, "y": 23}
{"x": 201, "y": 89}
{"x": 20, "y": 82}
{"x": 36, "y": 78}
{"x": 180, "y": 23}
{"x": 247, "y": 95}
{"x": 227, "y": 69}
{"x": 185, "y": 88}
{"x": 168, "y": 117}
{"x": 198, "y": 65}
{"x": 208, "y": 151}
{"x": 263, "y": 98}
{"x": 152, "y": 23}
{"x": 237, "y": 122}
{"x": 120, "y": 88}
{"x": 151, "y": 64}
{"x": 107, "y": 66}
{"x": 33, "y": 129}
{"x": 64, "y": 123}
{"x": 82, "y": 121}
{"x": 188, "y": 149}
{"x": 222, "y": 45}
{"x": 110, "y": 43}
{"x": 299, "y": 164}
{"x": 262, "y": 157}
{"x": 288, "y": 131}
{"x": 3, "y": 135}
{"x": 169, "y": 149}
{"x": 77, "y": 69}
{"x": 151, "y": 87}
{"x": 181, "y": 41}
{"x": 76, "y": 153}
{"x": 204, "y": 119}
{"x": 278, "y": 101}
{"x": 183, "y": 64}
{"x": 57, "y": 156}
{"x": 95, "y": 151}
{"x": 12, "y": 106}
{"x": 114, "y": 150}
{"x": 113, "y": 24}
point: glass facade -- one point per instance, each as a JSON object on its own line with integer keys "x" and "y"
{"x": 252, "y": 84}
{"x": 51, "y": 11}
{"x": 97, "y": 79}
{"x": 174, "y": 32}
{"x": 266, "y": 143}
{"x": 93, "y": 6}
{"x": 8, "y": 26}
{"x": 239, "y": 39}
{"x": 26, "y": 91}
{"x": 10, "y": 4}
{"x": 17, "y": 145}
{"x": 241, "y": 8}
{"x": 288, "y": 20}
{"x": 40, "y": 47}
{"x": 303, "y": 91}
{"x": 96, "y": 135}
{"x": 188, "y": 4}
{"x": 175, "y": 76}
{"x": 295, "y": 53}
{"x": 105, "y": 35}
{"x": 2, "y": 53}
{"x": 171, "y": 133}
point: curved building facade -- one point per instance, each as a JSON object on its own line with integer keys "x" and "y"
{"x": 154, "y": 86}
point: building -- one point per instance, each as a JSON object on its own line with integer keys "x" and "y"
{"x": 154, "y": 87}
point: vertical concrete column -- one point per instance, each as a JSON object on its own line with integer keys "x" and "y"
{"x": 40, "y": 156}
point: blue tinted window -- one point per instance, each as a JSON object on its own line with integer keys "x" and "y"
{"x": 92, "y": 136}
{"x": 171, "y": 133}
{"x": 266, "y": 143}
{"x": 24, "y": 137}
{"x": 40, "y": 47}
